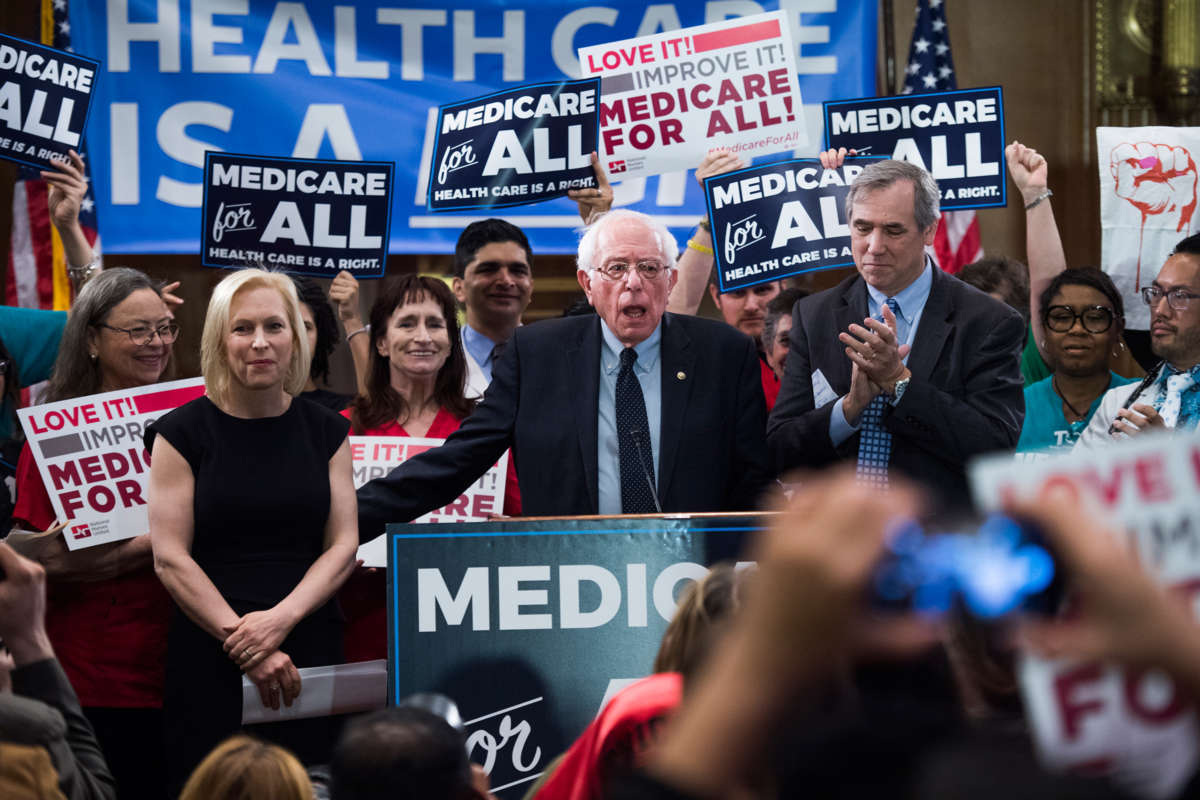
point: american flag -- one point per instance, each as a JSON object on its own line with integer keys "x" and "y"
{"x": 37, "y": 269}
{"x": 931, "y": 69}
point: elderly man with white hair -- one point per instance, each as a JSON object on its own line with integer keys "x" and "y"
{"x": 632, "y": 410}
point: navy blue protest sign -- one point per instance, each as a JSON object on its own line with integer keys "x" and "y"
{"x": 957, "y": 136}
{"x": 529, "y": 626}
{"x": 45, "y": 97}
{"x": 519, "y": 146}
{"x": 306, "y": 216}
{"x": 779, "y": 220}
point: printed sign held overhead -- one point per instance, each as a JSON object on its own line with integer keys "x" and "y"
{"x": 89, "y": 453}
{"x": 45, "y": 97}
{"x": 779, "y": 219}
{"x": 669, "y": 98}
{"x": 519, "y": 146}
{"x": 957, "y": 136}
{"x": 306, "y": 216}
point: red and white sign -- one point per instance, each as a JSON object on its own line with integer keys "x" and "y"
{"x": 1148, "y": 199}
{"x": 376, "y": 456}
{"x": 1098, "y": 718}
{"x": 89, "y": 453}
{"x": 669, "y": 98}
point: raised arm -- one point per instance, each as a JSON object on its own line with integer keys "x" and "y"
{"x": 1043, "y": 245}
{"x": 594, "y": 202}
{"x": 67, "y": 185}
{"x": 696, "y": 261}
{"x": 343, "y": 291}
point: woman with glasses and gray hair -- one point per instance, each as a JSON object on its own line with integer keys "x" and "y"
{"x": 1082, "y": 319}
{"x": 106, "y": 611}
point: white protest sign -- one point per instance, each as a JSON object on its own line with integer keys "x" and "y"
{"x": 376, "y": 456}
{"x": 669, "y": 98}
{"x": 1148, "y": 198}
{"x": 90, "y": 456}
{"x": 1094, "y": 717}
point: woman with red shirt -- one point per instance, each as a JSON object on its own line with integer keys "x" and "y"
{"x": 106, "y": 611}
{"x": 415, "y": 380}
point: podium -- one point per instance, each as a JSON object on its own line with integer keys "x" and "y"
{"x": 530, "y": 624}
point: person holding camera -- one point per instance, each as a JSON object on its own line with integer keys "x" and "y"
{"x": 41, "y": 716}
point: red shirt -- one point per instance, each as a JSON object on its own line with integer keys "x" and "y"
{"x": 624, "y": 729}
{"x": 363, "y": 596}
{"x": 770, "y": 383}
{"x": 110, "y": 636}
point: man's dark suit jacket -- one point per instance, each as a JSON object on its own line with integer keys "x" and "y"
{"x": 543, "y": 403}
{"x": 965, "y": 397}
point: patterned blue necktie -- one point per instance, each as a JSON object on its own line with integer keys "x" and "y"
{"x": 1179, "y": 401}
{"x": 635, "y": 457}
{"x": 874, "y": 440}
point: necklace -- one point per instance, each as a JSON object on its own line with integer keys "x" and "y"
{"x": 1074, "y": 411}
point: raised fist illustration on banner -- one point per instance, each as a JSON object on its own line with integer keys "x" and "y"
{"x": 1157, "y": 179}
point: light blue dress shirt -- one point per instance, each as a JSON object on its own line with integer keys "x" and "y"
{"x": 912, "y": 299}
{"x": 648, "y": 369}
{"x": 480, "y": 348}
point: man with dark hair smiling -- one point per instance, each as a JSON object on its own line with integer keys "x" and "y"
{"x": 1169, "y": 397}
{"x": 493, "y": 278}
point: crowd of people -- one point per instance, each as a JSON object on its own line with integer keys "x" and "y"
{"x": 880, "y": 390}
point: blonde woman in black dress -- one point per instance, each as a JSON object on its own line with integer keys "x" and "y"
{"x": 252, "y": 523}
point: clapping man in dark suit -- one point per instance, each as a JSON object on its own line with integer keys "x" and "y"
{"x": 901, "y": 367}
{"x": 631, "y": 410}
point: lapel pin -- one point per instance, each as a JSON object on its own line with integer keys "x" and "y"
{"x": 680, "y": 375}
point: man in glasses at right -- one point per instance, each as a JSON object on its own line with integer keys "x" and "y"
{"x": 1169, "y": 397}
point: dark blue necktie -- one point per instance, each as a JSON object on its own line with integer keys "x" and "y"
{"x": 874, "y": 440}
{"x": 633, "y": 440}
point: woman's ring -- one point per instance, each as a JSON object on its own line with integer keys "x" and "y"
{"x": 275, "y": 688}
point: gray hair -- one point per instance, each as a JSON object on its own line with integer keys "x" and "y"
{"x": 75, "y": 374}
{"x": 882, "y": 174}
{"x": 667, "y": 245}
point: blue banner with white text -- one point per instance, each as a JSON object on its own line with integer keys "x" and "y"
{"x": 362, "y": 80}
{"x": 957, "y": 136}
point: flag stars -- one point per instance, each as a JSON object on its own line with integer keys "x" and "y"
{"x": 929, "y": 80}
{"x": 941, "y": 48}
{"x": 86, "y": 205}
{"x": 935, "y": 3}
{"x": 914, "y": 67}
{"x": 64, "y": 27}
{"x": 922, "y": 45}
{"x": 945, "y": 72}
{"x": 939, "y": 25}
{"x": 60, "y": 5}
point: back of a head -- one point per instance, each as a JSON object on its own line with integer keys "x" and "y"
{"x": 399, "y": 753}
{"x": 484, "y": 232}
{"x": 703, "y": 606}
{"x": 1003, "y": 276}
{"x": 244, "y": 768}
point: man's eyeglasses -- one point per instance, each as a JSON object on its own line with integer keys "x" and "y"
{"x": 5, "y": 365}
{"x": 618, "y": 270}
{"x": 1095, "y": 319}
{"x": 1177, "y": 298}
{"x": 143, "y": 335}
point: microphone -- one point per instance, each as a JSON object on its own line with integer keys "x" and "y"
{"x": 636, "y": 434}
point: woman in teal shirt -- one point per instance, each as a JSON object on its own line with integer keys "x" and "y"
{"x": 1083, "y": 317}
